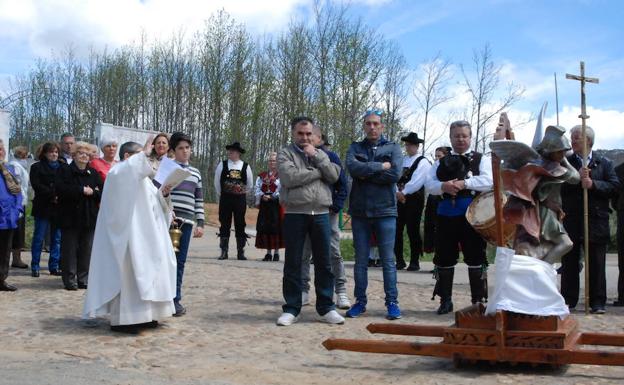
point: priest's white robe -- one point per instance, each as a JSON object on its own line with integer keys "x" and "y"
{"x": 132, "y": 275}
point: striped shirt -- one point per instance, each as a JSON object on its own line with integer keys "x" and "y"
{"x": 188, "y": 197}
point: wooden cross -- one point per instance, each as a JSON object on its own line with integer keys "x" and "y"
{"x": 583, "y": 79}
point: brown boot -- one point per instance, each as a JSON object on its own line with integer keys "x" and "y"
{"x": 17, "y": 260}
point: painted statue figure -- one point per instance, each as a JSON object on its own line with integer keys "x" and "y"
{"x": 533, "y": 177}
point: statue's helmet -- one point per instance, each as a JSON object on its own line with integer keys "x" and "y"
{"x": 553, "y": 141}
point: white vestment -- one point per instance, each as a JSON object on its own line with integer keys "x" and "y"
{"x": 132, "y": 275}
{"x": 525, "y": 285}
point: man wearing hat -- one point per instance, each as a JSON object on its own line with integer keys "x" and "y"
{"x": 410, "y": 202}
{"x": 457, "y": 190}
{"x": 233, "y": 179}
{"x": 188, "y": 206}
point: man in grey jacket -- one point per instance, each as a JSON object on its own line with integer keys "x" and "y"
{"x": 306, "y": 175}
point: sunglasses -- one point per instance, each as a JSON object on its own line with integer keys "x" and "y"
{"x": 373, "y": 112}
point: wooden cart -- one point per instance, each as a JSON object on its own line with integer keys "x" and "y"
{"x": 503, "y": 337}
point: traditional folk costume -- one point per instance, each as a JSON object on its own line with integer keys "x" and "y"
{"x": 270, "y": 214}
{"x": 452, "y": 228}
{"x": 132, "y": 275}
{"x": 232, "y": 181}
{"x": 411, "y": 184}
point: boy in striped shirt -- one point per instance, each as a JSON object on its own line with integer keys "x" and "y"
{"x": 188, "y": 208}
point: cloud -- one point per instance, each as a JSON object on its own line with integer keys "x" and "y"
{"x": 55, "y": 24}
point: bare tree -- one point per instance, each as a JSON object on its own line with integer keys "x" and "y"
{"x": 430, "y": 90}
{"x": 483, "y": 89}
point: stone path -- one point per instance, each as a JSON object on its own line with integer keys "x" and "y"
{"x": 229, "y": 335}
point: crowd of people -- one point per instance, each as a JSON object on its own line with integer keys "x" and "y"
{"x": 95, "y": 205}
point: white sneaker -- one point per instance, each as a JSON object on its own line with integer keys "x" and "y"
{"x": 305, "y": 298}
{"x": 286, "y": 319}
{"x": 333, "y": 318}
{"x": 342, "y": 301}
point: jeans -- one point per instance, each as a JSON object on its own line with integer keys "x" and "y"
{"x": 185, "y": 241}
{"x": 296, "y": 228}
{"x": 337, "y": 263}
{"x": 41, "y": 228}
{"x": 384, "y": 229}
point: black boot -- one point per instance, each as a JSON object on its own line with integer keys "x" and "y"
{"x": 276, "y": 257}
{"x": 268, "y": 257}
{"x": 240, "y": 248}
{"x": 478, "y": 283}
{"x": 223, "y": 244}
{"x": 444, "y": 288}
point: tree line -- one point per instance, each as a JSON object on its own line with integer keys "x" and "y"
{"x": 222, "y": 85}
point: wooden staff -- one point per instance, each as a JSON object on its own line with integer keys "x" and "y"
{"x": 503, "y": 131}
{"x": 583, "y": 79}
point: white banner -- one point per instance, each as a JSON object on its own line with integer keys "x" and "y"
{"x": 106, "y": 131}
{"x": 4, "y": 129}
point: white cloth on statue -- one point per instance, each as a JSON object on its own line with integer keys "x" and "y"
{"x": 132, "y": 275}
{"x": 525, "y": 285}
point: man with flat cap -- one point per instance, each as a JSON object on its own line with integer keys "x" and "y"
{"x": 410, "y": 202}
{"x": 232, "y": 181}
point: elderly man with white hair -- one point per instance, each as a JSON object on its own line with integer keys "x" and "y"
{"x": 104, "y": 163}
{"x": 600, "y": 180}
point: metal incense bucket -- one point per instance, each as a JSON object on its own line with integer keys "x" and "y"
{"x": 175, "y": 234}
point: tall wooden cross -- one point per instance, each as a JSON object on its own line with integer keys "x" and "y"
{"x": 583, "y": 79}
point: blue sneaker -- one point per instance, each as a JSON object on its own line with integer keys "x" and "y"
{"x": 356, "y": 310}
{"x": 393, "y": 311}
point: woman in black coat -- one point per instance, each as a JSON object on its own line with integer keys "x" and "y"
{"x": 44, "y": 208}
{"x": 79, "y": 190}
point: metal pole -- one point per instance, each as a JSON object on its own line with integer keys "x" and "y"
{"x": 557, "y": 98}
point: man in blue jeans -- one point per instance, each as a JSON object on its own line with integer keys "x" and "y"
{"x": 306, "y": 175}
{"x": 375, "y": 166}
{"x": 188, "y": 208}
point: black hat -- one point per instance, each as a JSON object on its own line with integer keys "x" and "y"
{"x": 178, "y": 137}
{"x": 412, "y": 138}
{"x": 236, "y": 147}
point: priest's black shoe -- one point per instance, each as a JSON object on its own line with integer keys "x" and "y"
{"x": 71, "y": 287}
{"x": 618, "y": 303}
{"x": 6, "y": 287}
{"x": 400, "y": 265}
{"x": 82, "y": 286}
{"x": 128, "y": 329}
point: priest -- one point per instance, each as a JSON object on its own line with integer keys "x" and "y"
{"x": 132, "y": 275}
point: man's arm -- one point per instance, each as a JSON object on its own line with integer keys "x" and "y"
{"x": 329, "y": 171}
{"x": 361, "y": 168}
{"x": 217, "y": 179}
{"x": 432, "y": 185}
{"x": 292, "y": 176}
{"x": 393, "y": 174}
{"x": 417, "y": 181}
{"x": 608, "y": 186}
{"x": 483, "y": 181}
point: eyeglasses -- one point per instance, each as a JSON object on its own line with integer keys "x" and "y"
{"x": 373, "y": 112}
{"x": 82, "y": 153}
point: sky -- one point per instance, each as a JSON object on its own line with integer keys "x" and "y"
{"x": 530, "y": 39}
